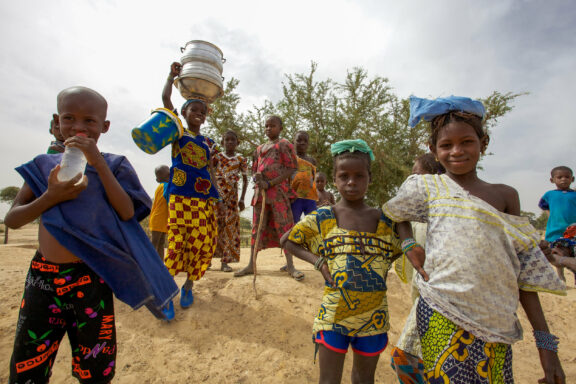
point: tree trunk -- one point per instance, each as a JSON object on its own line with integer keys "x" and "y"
{"x": 5, "y": 234}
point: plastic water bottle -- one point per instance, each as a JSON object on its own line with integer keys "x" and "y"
{"x": 73, "y": 162}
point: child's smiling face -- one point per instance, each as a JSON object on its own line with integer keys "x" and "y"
{"x": 195, "y": 115}
{"x": 458, "y": 148}
{"x": 80, "y": 111}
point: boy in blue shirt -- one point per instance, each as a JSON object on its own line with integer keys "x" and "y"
{"x": 560, "y": 204}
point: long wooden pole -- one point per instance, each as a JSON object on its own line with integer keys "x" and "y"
{"x": 257, "y": 242}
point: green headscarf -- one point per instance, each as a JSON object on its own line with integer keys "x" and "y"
{"x": 351, "y": 146}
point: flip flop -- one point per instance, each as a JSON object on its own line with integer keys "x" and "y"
{"x": 297, "y": 275}
{"x": 225, "y": 268}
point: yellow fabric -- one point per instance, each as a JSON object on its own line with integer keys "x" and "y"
{"x": 303, "y": 182}
{"x": 159, "y": 213}
{"x": 359, "y": 263}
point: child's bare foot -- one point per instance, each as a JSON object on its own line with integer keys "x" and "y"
{"x": 225, "y": 268}
{"x": 244, "y": 272}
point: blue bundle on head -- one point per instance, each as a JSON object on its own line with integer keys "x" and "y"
{"x": 190, "y": 101}
{"x": 351, "y": 146}
{"x": 429, "y": 109}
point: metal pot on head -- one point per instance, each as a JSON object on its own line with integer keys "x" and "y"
{"x": 201, "y": 73}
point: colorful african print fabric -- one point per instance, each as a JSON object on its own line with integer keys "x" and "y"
{"x": 192, "y": 236}
{"x": 270, "y": 160}
{"x": 189, "y": 174}
{"x": 228, "y": 173}
{"x": 409, "y": 368}
{"x": 453, "y": 355}
{"x": 303, "y": 181}
{"x": 62, "y": 299}
{"x": 359, "y": 263}
{"x": 477, "y": 257}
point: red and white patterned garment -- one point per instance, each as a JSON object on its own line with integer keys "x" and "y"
{"x": 228, "y": 173}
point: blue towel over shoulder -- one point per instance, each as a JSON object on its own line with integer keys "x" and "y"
{"x": 89, "y": 227}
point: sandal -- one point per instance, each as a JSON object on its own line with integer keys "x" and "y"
{"x": 297, "y": 275}
{"x": 186, "y": 298}
{"x": 284, "y": 268}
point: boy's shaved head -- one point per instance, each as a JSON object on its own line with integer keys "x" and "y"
{"x": 84, "y": 91}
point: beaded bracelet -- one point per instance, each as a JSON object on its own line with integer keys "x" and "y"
{"x": 408, "y": 244}
{"x": 318, "y": 264}
{"x": 546, "y": 340}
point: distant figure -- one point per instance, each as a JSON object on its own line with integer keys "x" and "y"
{"x": 353, "y": 246}
{"x": 304, "y": 186}
{"x": 158, "y": 222}
{"x": 192, "y": 223}
{"x": 560, "y": 204}
{"x": 482, "y": 258}
{"x": 90, "y": 245}
{"x": 230, "y": 167}
{"x": 273, "y": 164}
{"x": 325, "y": 198}
{"x": 56, "y": 146}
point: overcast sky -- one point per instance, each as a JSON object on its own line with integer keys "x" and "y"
{"x": 123, "y": 50}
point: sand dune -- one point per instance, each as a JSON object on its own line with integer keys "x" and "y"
{"x": 228, "y": 336}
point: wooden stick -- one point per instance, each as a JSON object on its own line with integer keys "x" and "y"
{"x": 257, "y": 242}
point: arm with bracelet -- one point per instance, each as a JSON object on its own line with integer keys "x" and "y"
{"x": 411, "y": 248}
{"x": 546, "y": 342}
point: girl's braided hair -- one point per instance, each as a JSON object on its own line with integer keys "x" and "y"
{"x": 456, "y": 116}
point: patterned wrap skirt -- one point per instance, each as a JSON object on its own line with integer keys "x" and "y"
{"x": 454, "y": 356}
{"x": 192, "y": 236}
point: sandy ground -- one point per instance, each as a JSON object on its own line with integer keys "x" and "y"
{"x": 228, "y": 336}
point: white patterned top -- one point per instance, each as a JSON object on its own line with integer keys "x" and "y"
{"x": 476, "y": 256}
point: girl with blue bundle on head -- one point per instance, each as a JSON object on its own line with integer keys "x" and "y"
{"x": 481, "y": 257}
{"x": 353, "y": 246}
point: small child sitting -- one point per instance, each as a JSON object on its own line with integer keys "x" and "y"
{"x": 56, "y": 146}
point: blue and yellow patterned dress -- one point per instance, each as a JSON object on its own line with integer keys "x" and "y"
{"x": 359, "y": 263}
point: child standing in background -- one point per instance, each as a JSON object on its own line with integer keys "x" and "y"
{"x": 324, "y": 197}
{"x": 481, "y": 258}
{"x": 304, "y": 186}
{"x": 56, "y": 146}
{"x": 158, "y": 222}
{"x": 230, "y": 166}
{"x": 353, "y": 246}
{"x": 560, "y": 204}
{"x": 273, "y": 164}
{"x": 192, "y": 224}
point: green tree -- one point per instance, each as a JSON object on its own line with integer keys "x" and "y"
{"x": 7, "y": 195}
{"x": 359, "y": 107}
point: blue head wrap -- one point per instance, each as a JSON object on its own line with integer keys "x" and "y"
{"x": 429, "y": 109}
{"x": 190, "y": 101}
{"x": 351, "y": 146}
